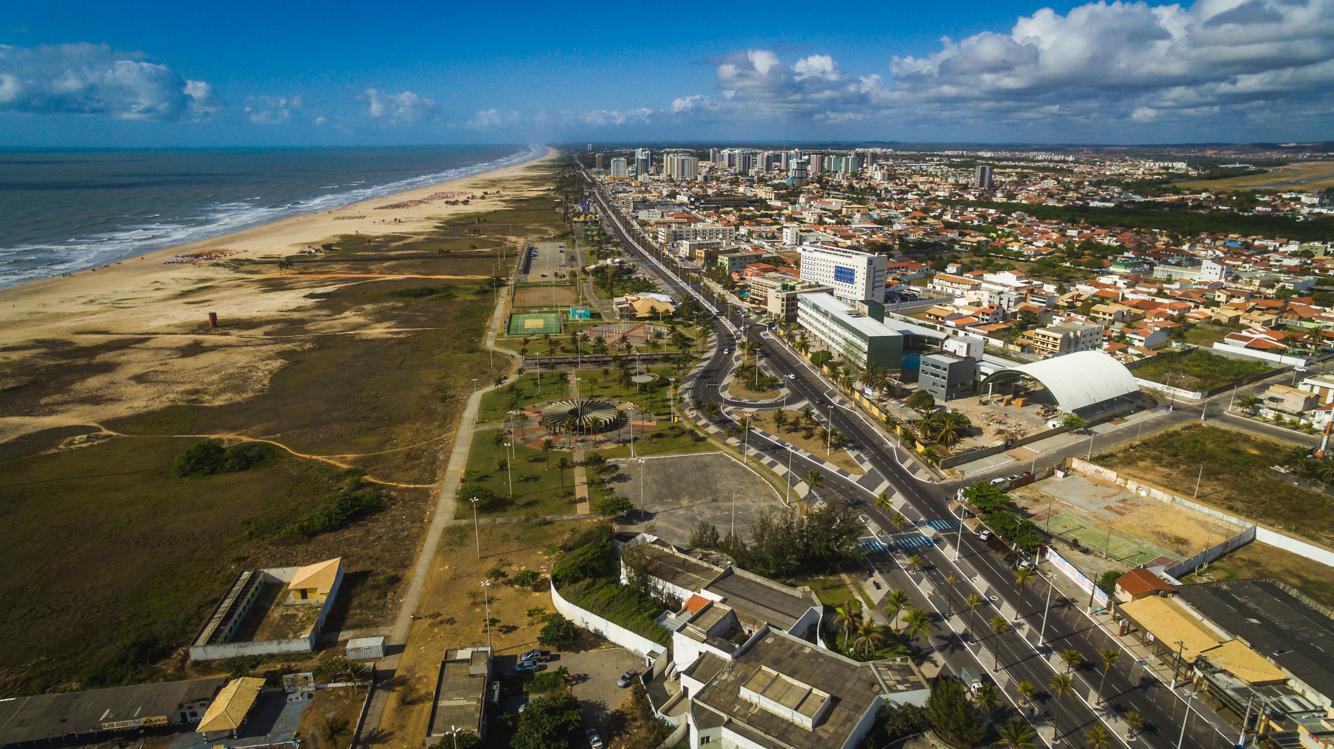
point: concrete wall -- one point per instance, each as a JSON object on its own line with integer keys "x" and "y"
{"x": 1079, "y": 578}
{"x": 304, "y": 644}
{"x": 602, "y": 628}
{"x": 1208, "y": 555}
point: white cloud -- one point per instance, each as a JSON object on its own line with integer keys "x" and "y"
{"x": 96, "y": 79}
{"x": 493, "y": 118}
{"x": 273, "y": 110}
{"x": 406, "y": 108}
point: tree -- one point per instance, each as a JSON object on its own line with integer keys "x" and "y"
{"x": 558, "y": 633}
{"x": 973, "y": 602}
{"x": 1110, "y": 658}
{"x": 1250, "y": 404}
{"x": 1016, "y": 734}
{"x": 1107, "y": 581}
{"x": 1134, "y": 720}
{"x": 950, "y": 582}
{"x": 1072, "y": 658}
{"x": 705, "y": 536}
{"x": 780, "y": 420}
{"x": 950, "y": 714}
{"x": 920, "y": 401}
{"x": 549, "y": 722}
{"x": 613, "y": 505}
{"x": 846, "y": 618}
{"x": 1061, "y": 685}
{"x": 1097, "y": 737}
{"x": 1022, "y": 577}
{"x": 814, "y": 480}
{"x": 548, "y": 445}
{"x": 893, "y": 603}
{"x": 917, "y": 623}
{"x": 1074, "y": 422}
{"x": 563, "y": 464}
{"x": 331, "y": 730}
{"x": 986, "y": 697}
{"x": 1027, "y": 690}
{"x": 869, "y": 639}
{"x": 883, "y": 502}
{"x": 998, "y": 627}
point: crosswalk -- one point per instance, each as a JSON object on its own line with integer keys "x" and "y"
{"x": 912, "y": 542}
{"x": 944, "y": 525}
{"x": 871, "y": 545}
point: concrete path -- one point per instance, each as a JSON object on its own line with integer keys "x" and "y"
{"x": 580, "y": 476}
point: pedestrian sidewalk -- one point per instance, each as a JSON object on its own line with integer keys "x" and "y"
{"x": 580, "y": 475}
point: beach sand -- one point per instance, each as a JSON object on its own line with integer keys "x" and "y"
{"x": 161, "y": 306}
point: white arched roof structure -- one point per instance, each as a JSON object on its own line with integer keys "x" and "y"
{"x": 1075, "y": 380}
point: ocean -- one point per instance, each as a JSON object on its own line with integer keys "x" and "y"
{"x": 66, "y": 210}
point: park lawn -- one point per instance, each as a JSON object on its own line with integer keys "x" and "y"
{"x": 740, "y": 389}
{"x": 1197, "y": 370}
{"x": 653, "y": 395}
{"x": 764, "y": 421}
{"x": 1234, "y": 477}
{"x": 537, "y": 491}
{"x": 496, "y": 404}
{"x": 664, "y": 441}
{"x": 832, "y": 591}
{"x": 113, "y": 563}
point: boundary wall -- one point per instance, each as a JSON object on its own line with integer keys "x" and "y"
{"x": 607, "y": 630}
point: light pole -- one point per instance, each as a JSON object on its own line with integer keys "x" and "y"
{"x": 476, "y": 528}
{"x": 1042, "y": 635}
{"x": 486, "y": 594}
{"x": 509, "y": 468}
{"x": 734, "y": 512}
{"x": 958, "y": 542}
{"x": 671, "y": 390}
{"x": 477, "y": 415}
{"x": 454, "y": 731}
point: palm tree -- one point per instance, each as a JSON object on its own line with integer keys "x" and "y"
{"x": 899, "y": 520}
{"x": 916, "y": 561}
{"x": 1023, "y": 577}
{"x": 1109, "y": 658}
{"x": 869, "y": 638}
{"x": 498, "y": 439}
{"x": 331, "y": 730}
{"x": 1016, "y": 734}
{"x": 563, "y": 464}
{"x": 917, "y": 623}
{"x": 814, "y": 480}
{"x": 998, "y": 627}
{"x": 883, "y": 502}
{"x": 973, "y": 602}
{"x": 1072, "y": 658}
{"x": 845, "y": 618}
{"x": 895, "y": 602}
{"x": 780, "y": 420}
{"x": 1250, "y": 404}
{"x": 808, "y": 414}
{"x": 1134, "y": 720}
{"x": 1061, "y": 685}
{"x": 548, "y": 445}
{"x": 1027, "y": 690}
{"x": 353, "y": 672}
{"x": 986, "y": 697}
{"x": 1097, "y": 737}
{"x": 950, "y": 582}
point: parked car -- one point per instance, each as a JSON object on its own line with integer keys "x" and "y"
{"x": 1001, "y": 481}
{"x": 526, "y": 666}
{"x": 976, "y": 686}
{"x": 1024, "y": 564}
{"x": 984, "y": 535}
{"x": 594, "y": 740}
{"x": 540, "y": 656}
{"x": 626, "y": 678}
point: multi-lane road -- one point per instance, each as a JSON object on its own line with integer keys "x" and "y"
{"x": 978, "y": 569}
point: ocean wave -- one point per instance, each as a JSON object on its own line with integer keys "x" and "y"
{"x": 21, "y": 264}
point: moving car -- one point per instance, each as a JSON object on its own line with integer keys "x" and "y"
{"x": 792, "y": 377}
{"x": 984, "y": 535}
{"x": 594, "y": 740}
{"x": 626, "y": 678}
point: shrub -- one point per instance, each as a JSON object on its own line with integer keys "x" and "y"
{"x": 413, "y": 292}
{"x": 336, "y": 512}
{"x": 619, "y": 604}
{"x": 612, "y": 505}
{"x": 527, "y": 578}
{"x": 558, "y": 633}
{"x": 208, "y": 457}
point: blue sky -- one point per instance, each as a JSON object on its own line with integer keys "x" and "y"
{"x": 242, "y": 73}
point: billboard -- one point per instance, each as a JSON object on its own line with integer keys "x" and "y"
{"x": 845, "y": 275}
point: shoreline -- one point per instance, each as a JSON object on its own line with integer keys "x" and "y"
{"x": 368, "y": 203}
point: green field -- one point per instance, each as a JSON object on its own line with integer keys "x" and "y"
{"x": 652, "y": 395}
{"x": 1122, "y": 547}
{"x": 1197, "y": 370}
{"x": 112, "y": 563}
{"x": 534, "y": 323}
{"x": 532, "y": 389}
{"x": 537, "y": 491}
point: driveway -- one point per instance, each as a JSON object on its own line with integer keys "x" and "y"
{"x": 594, "y": 674}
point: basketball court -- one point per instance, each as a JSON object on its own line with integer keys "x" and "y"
{"x": 534, "y": 323}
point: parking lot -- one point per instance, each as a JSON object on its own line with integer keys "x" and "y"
{"x": 550, "y": 259}
{"x": 681, "y": 490}
{"x": 593, "y": 675}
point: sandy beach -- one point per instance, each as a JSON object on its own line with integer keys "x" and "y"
{"x": 164, "y": 303}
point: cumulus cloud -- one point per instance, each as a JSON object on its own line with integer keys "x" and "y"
{"x": 96, "y": 79}
{"x": 272, "y": 110}
{"x": 405, "y": 108}
{"x": 492, "y": 118}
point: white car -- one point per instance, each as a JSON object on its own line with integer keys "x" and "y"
{"x": 792, "y": 377}
{"x": 984, "y": 535}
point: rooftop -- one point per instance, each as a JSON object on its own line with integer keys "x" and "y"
{"x": 44, "y": 716}
{"x": 827, "y": 304}
{"x": 1139, "y": 581}
{"x": 776, "y": 604}
{"x": 460, "y": 695}
{"x": 676, "y": 568}
{"x": 231, "y": 705}
{"x": 1272, "y": 620}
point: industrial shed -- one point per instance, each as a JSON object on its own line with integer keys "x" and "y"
{"x": 1077, "y": 381}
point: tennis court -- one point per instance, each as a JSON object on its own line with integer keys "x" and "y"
{"x": 534, "y": 323}
{"x": 545, "y": 296}
{"x": 1123, "y": 547}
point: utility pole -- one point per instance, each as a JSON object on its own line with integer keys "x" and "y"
{"x": 486, "y": 590}
{"x": 734, "y": 512}
{"x": 1197, "y": 482}
{"x": 476, "y": 528}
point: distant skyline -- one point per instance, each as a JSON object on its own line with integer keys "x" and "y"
{"x": 251, "y": 74}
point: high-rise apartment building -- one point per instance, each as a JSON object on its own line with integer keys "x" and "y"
{"x": 982, "y": 178}
{"x": 745, "y": 161}
{"x": 817, "y": 164}
{"x": 853, "y": 275}
{"x": 619, "y": 168}
{"x": 783, "y": 157}
{"x": 765, "y": 162}
{"x": 597, "y": 162}
{"x": 796, "y": 174}
{"x": 680, "y": 167}
{"x": 714, "y": 155}
{"x": 643, "y": 163}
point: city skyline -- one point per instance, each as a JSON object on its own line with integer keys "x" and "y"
{"x": 1016, "y": 72}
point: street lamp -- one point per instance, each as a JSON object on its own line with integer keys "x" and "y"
{"x": 734, "y": 512}
{"x": 477, "y": 531}
{"x": 486, "y": 594}
{"x": 643, "y": 479}
{"x": 477, "y": 415}
{"x": 509, "y": 468}
{"x": 1042, "y": 635}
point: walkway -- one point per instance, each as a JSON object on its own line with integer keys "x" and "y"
{"x": 580, "y": 476}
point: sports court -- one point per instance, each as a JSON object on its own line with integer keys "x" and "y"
{"x": 534, "y": 323}
{"x": 545, "y": 296}
{"x": 1134, "y": 530}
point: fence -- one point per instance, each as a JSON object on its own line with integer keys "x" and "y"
{"x": 1282, "y": 474}
{"x": 1079, "y": 578}
{"x": 1208, "y": 555}
{"x": 1263, "y": 535}
{"x": 605, "y": 629}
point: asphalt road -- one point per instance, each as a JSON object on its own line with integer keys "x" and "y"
{"x": 979, "y": 568}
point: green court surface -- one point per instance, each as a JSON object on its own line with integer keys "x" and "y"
{"x": 1118, "y": 545}
{"x": 534, "y": 323}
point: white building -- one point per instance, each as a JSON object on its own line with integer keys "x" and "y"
{"x": 697, "y": 233}
{"x": 680, "y": 167}
{"x": 850, "y": 333}
{"x": 853, "y": 275}
{"x": 619, "y": 168}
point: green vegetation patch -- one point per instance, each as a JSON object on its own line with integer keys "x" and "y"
{"x": 619, "y": 604}
{"x": 543, "y": 485}
{"x": 1197, "y": 370}
{"x": 208, "y": 457}
{"x": 1233, "y": 480}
